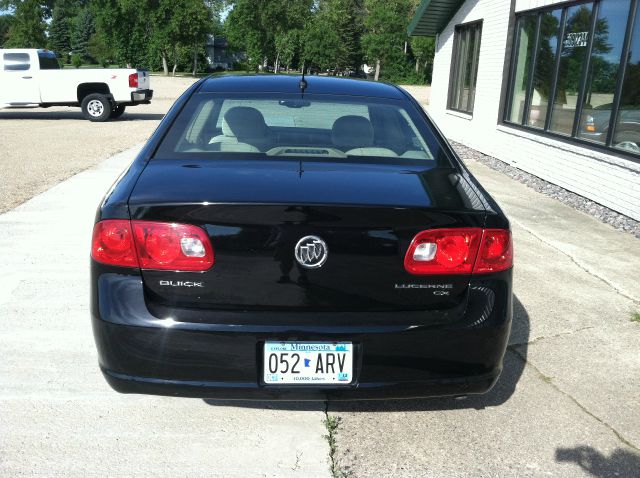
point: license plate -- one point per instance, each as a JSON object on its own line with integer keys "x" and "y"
{"x": 308, "y": 363}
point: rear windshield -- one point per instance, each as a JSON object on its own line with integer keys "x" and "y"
{"x": 314, "y": 126}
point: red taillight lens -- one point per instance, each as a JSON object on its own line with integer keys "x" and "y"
{"x": 496, "y": 251}
{"x": 133, "y": 80}
{"x": 459, "y": 251}
{"x": 113, "y": 243}
{"x": 167, "y": 246}
{"x": 443, "y": 251}
{"x": 152, "y": 245}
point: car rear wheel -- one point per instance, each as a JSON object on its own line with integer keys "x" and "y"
{"x": 117, "y": 111}
{"x": 96, "y": 107}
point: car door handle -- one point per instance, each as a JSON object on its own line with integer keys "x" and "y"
{"x": 27, "y": 77}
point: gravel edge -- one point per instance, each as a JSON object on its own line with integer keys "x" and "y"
{"x": 598, "y": 211}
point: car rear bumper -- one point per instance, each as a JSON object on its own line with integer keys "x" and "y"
{"x": 141, "y": 97}
{"x": 251, "y": 391}
{"x": 598, "y": 137}
{"x": 396, "y": 354}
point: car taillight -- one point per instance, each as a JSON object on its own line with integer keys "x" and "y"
{"x": 459, "y": 251}
{"x": 443, "y": 251}
{"x": 496, "y": 251}
{"x": 112, "y": 243}
{"x": 590, "y": 124}
{"x": 133, "y": 80}
{"x": 152, "y": 245}
{"x": 167, "y": 246}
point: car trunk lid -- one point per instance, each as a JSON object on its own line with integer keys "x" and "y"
{"x": 255, "y": 213}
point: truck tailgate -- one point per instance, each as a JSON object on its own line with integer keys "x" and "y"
{"x": 144, "y": 82}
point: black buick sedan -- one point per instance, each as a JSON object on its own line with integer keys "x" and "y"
{"x": 283, "y": 238}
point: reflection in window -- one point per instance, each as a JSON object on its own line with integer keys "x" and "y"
{"x": 574, "y": 51}
{"x": 544, "y": 70}
{"x": 627, "y": 128}
{"x": 603, "y": 70}
{"x": 526, "y": 44}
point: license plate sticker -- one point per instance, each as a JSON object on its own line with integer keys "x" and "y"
{"x": 308, "y": 363}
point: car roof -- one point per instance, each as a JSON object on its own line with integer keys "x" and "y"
{"x": 320, "y": 85}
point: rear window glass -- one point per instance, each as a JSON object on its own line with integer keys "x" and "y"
{"x": 16, "y": 61}
{"x": 48, "y": 60}
{"x": 321, "y": 126}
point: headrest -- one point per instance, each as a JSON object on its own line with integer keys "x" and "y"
{"x": 352, "y": 132}
{"x": 243, "y": 122}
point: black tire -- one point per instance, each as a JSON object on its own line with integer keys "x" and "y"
{"x": 117, "y": 111}
{"x": 96, "y": 107}
{"x": 627, "y": 140}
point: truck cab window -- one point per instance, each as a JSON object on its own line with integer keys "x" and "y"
{"x": 16, "y": 61}
{"x": 48, "y": 60}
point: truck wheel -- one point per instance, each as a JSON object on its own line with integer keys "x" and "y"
{"x": 117, "y": 111}
{"x": 96, "y": 107}
{"x": 628, "y": 140}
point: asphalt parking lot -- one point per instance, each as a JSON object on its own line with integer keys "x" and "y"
{"x": 567, "y": 404}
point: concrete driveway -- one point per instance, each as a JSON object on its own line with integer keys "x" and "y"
{"x": 59, "y": 418}
{"x": 568, "y": 401}
{"x": 567, "y": 404}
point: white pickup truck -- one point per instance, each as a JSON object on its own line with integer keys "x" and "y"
{"x": 33, "y": 78}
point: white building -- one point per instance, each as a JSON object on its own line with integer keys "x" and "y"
{"x": 542, "y": 85}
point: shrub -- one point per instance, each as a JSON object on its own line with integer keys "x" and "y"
{"x": 76, "y": 61}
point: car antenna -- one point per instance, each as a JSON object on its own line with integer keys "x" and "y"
{"x": 303, "y": 82}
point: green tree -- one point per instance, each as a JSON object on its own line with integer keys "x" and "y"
{"x": 346, "y": 19}
{"x": 243, "y": 29}
{"x": 60, "y": 32}
{"x": 385, "y": 23}
{"x": 164, "y": 35}
{"x": 28, "y": 27}
{"x": 254, "y": 25}
{"x": 5, "y": 25}
{"x": 287, "y": 46}
{"x": 424, "y": 49}
{"x": 82, "y": 33}
{"x": 193, "y": 21}
{"x": 321, "y": 43}
{"x": 99, "y": 49}
{"x": 47, "y": 5}
{"x": 178, "y": 24}
{"x": 127, "y": 28}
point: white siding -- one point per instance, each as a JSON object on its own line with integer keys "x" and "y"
{"x": 606, "y": 179}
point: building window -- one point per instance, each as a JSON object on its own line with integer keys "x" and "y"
{"x": 464, "y": 67}
{"x": 568, "y": 77}
{"x": 626, "y": 131}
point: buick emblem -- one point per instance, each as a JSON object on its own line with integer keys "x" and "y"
{"x": 311, "y": 252}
